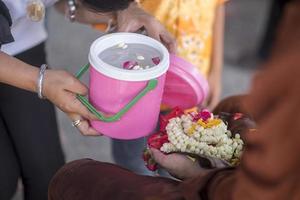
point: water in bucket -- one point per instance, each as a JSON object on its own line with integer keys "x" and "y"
{"x": 131, "y": 56}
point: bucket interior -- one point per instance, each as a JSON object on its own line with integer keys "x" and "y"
{"x": 113, "y": 42}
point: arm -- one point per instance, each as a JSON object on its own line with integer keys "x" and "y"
{"x": 135, "y": 18}
{"x": 131, "y": 19}
{"x": 59, "y": 87}
{"x": 215, "y": 74}
{"x": 17, "y": 73}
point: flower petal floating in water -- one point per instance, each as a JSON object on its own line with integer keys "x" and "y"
{"x": 129, "y": 64}
{"x": 137, "y": 67}
{"x": 140, "y": 57}
{"x": 121, "y": 45}
{"x": 156, "y": 60}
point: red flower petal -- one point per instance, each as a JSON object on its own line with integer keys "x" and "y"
{"x": 156, "y": 60}
{"x": 163, "y": 122}
{"x": 146, "y": 155}
{"x": 196, "y": 117}
{"x": 176, "y": 112}
{"x": 149, "y": 161}
{"x": 157, "y": 140}
{"x": 154, "y": 137}
{"x": 164, "y": 119}
{"x": 238, "y": 116}
{"x": 204, "y": 115}
{"x": 152, "y": 167}
{"x": 129, "y": 64}
{"x": 155, "y": 145}
{"x": 164, "y": 139}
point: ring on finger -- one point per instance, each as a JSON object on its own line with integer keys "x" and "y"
{"x": 76, "y": 123}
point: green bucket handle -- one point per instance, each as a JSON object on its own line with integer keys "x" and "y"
{"x": 152, "y": 84}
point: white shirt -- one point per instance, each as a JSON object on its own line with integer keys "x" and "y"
{"x": 26, "y": 33}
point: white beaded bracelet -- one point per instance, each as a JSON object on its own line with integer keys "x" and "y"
{"x": 40, "y": 81}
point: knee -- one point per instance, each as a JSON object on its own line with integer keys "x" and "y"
{"x": 64, "y": 177}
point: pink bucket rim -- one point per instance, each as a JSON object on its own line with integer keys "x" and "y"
{"x": 191, "y": 76}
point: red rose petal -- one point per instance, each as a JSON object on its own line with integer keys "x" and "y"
{"x": 157, "y": 140}
{"x": 196, "y": 117}
{"x": 156, "y": 60}
{"x": 164, "y": 119}
{"x": 205, "y": 115}
{"x": 164, "y": 139}
{"x": 152, "y": 167}
{"x": 155, "y": 145}
{"x": 149, "y": 161}
{"x": 154, "y": 137}
{"x": 176, "y": 112}
{"x": 163, "y": 122}
{"x": 146, "y": 155}
{"x": 129, "y": 64}
{"x": 238, "y": 116}
{"x": 193, "y": 114}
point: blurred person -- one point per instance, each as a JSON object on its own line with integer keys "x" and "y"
{"x": 270, "y": 162}
{"x": 198, "y": 27}
{"x": 275, "y": 15}
{"x": 29, "y": 140}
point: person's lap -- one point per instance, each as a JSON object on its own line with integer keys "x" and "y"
{"x": 89, "y": 179}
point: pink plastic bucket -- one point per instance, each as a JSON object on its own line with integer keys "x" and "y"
{"x": 111, "y": 89}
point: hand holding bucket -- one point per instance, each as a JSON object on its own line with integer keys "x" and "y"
{"x": 130, "y": 99}
{"x": 150, "y": 86}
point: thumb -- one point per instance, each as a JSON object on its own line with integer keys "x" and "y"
{"x": 158, "y": 156}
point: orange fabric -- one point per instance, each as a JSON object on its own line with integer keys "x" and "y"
{"x": 191, "y": 22}
{"x": 100, "y": 27}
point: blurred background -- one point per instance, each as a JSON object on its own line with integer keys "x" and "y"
{"x": 68, "y": 47}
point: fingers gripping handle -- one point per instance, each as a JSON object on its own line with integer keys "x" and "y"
{"x": 151, "y": 85}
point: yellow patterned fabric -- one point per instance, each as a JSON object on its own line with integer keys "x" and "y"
{"x": 191, "y": 22}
